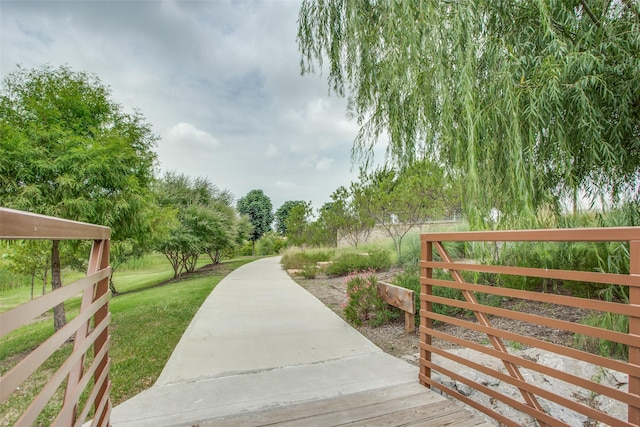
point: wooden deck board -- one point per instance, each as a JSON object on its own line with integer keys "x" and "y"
{"x": 404, "y": 405}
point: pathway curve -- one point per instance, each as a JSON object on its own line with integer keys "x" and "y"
{"x": 260, "y": 341}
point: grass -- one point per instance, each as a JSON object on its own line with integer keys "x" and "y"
{"x": 146, "y": 326}
{"x": 148, "y": 271}
{"x": 134, "y": 276}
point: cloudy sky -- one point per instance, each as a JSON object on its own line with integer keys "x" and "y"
{"x": 218, "y": 80}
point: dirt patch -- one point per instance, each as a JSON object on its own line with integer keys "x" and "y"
{"x": 392, "y": 338}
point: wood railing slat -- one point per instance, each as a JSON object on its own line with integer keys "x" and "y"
{"x": 16, "y": 225}
{"x": 23, "y": 314}
{"x": 495, "y": 341}
{"x": 550, "y": 298}
{"x": 605, "y": 362}
{"x": 544, "y": 273}
{"x": 541, "y": 415}
{"x": 103, "y": 408}
{"x": 96, "y": 261}
{"x": 604, "y": 234}
{"x": 30, "y": 414}
{"x": 504, "y": 421}
{"x": 430, "y": 241}
{"x": 70, "y": 406}
{"x": 27, "y": 366}
{"x": 538, "y": 391}
{"x": 532, "y": 388}
{"x": 98, "y": 385}
{"x": 633, "y": 340}
{"x": 100, "y": 405}
{"x": 589, "y": 384}
{"x": 26, "y": 225}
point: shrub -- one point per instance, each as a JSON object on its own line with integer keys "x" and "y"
{"x": 270, "y": 243}
{"x": 410, "y": 279}
{"x": 246, "y": 249}
{"x": 364, "y": 304}
{"x": 377, "y": 260}
{"x": 611, "y": 321}
{"x": 298, "y": 259}
{"x": 309, "y": 271}
{"x": 410, "y": 255}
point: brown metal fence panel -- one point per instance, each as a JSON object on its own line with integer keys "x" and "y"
{"x": 515, "y": 369}
{"x": 86, "y": 369}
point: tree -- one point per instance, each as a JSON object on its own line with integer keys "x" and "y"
{"x": 282, "y": 214}
{"x": 400, "y": 200}
{"x": 256, "y": 206}
{"x": 158, "y": 222}
{"x": 349, "y": 217}
{"x": 69, "y": 151}
{"x": 206, "y": 221}
{"x": 297, "y": 223}
{"x": 529, "y": 102}
{"x": 33, "y": 258}
{"x": 323, "y": 231}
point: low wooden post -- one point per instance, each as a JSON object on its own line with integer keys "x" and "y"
{"x": 401, "y": 298}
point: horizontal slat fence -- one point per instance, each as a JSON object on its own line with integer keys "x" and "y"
{"x": 533, "y": 399}
{"x": 89, "y": 329}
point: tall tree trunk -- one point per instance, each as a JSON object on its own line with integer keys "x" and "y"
{"x": 59, "y": 317}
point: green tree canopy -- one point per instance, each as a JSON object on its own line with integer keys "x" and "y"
{"x": 206, "y": 222}
{"x": 324, "y": 231}
{"x": 282, "y": 213}
{"x": 528, "y": 102}
{"x": 297, "y": 223}
{"x": 68, "y": 150}
{"x": 256, "y": 206}
{"x": 348, "y": 217}
{"x": 400, "y": 200}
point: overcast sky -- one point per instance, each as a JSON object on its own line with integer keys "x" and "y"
{"x": 218, "y": 80}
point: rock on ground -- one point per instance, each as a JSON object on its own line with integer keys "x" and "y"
{"x": 585, "y": 370}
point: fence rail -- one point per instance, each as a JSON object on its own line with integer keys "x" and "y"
{"x": 533, "y": 399}
{"x": 86, "y": 392}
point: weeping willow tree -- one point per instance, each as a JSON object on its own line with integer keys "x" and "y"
{"x": 530, "y": 102}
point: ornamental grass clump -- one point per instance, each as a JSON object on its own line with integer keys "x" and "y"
{"x": 376, "y": 260}
{"x": 364, "y": 305}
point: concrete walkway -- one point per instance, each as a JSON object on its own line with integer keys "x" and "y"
{"x": 260, "y": 341}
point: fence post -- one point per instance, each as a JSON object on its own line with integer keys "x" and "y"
{"x": 425, "y": 322}
{"x": 634, "y": 329}
{"x": 102, "y": 288}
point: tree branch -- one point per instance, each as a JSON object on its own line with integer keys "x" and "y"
{"x": 568, "y": 34}
{"x": 587, "y": 9}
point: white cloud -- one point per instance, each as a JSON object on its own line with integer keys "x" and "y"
{"x": 324, "y": 164}
{"x": 187, "y": 135}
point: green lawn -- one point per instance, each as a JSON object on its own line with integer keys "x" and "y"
{"x": 146, "y": 326}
